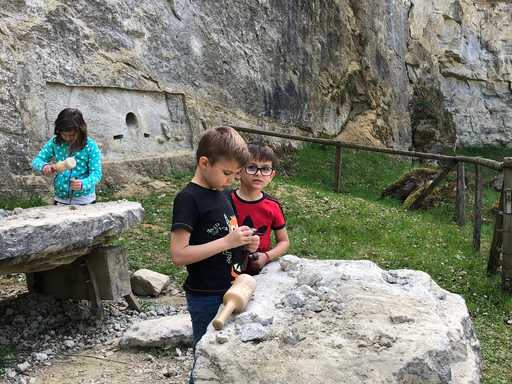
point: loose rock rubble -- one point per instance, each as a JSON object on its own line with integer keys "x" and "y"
{"x": 46, "y": 331}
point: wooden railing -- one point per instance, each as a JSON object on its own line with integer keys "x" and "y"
{"x": 502, "y": 236}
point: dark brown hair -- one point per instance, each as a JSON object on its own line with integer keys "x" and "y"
{"x": 71, "y": 120}
{"x": 261, "y": 152}
{"x": 225, "y": 143}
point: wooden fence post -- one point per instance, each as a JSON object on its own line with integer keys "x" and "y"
{"x": 477, "y": 216}
{"x": 506, "y": 264}
{"x": 497, "y": 240}
{"x": 460, "y": 201}
{"x": 337, "y": 170}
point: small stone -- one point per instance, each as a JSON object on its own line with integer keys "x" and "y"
{"x": 292, "y": 336}
{"x": 221, "y": 338}
{"x": 22, "y": 367}
{"x": 69, "y": 343}
{"x": 40, "y": 356}
{"x": 295, "y": 299}
{"x": 314, "y": 304}
{"x": 256, "y": 332}
{"x": 398, "y": 318}
{"x": 385, "y": 342}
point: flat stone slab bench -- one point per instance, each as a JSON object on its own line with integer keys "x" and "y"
{"x": 62, "y": 249}
{"x": 42, "y": 238}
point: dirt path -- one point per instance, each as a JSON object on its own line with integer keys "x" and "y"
{"x": 115, "y": 367}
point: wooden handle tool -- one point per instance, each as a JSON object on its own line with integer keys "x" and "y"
{"x": 64, "y": 165}
{"x": 235, "y": 299}
{"x": 72, "y": 191}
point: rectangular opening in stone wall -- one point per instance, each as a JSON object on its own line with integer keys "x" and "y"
{"x": 125, "y": 122}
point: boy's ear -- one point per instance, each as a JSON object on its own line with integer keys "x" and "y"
{"x": 203, "y": 162}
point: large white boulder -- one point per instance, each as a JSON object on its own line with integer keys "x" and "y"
{"x": 337, "y": 321}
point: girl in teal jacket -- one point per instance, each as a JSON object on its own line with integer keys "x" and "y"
{"x": 77, "y": 185}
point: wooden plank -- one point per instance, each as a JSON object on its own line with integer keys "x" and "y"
{"x": 337, "y": 170}
{"x": 94, "y": 292}
{"x": 64, "y": 282}
{"x": 460, "y": 200}
{"x": 132, "y": 302}
{"x": 110, "y": 267}
{"x": 432, "y": 185}
{"x": 477, "y": 216}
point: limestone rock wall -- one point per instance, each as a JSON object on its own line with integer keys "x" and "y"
{"x": 150, "y": 76}
{"x": 464, "y": 46}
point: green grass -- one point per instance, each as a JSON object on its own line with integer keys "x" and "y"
{"x": 7, "y": 358}
{"x": 21, "y": 202}
{"x": 354, "y": 224}
{"x": 147, "y": 244}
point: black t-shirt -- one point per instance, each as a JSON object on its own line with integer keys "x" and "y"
{"x": 208, "y": 215}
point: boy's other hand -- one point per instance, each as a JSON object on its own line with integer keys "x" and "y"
{"x": 254, "y": 244}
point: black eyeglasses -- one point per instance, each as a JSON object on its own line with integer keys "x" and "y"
{"x": 265, "y": 171}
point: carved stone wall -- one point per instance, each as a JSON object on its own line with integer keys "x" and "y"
{"x": 126, "y": 124}
{"x": 152, "y": 75}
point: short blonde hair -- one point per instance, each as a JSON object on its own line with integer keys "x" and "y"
{"x": 225, "y": 143}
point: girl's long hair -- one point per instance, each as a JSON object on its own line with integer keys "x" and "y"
{"x": 71, "y": 120}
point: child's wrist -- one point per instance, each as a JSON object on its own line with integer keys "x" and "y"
{"x": 268, "y": 257}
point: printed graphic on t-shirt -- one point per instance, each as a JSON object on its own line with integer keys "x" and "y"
{"x": 231, "y": 225}
{"x": 236, "y": 269}
{"x": 259, "y": 231}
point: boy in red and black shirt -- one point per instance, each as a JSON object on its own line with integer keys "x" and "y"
{"x": 258, "y": 210}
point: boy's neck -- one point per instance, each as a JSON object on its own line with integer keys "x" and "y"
{"x": 199, "y": 179}
{"x": 249, "y": 195}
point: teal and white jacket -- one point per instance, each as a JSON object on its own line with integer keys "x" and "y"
{"x": 87, "y": 170}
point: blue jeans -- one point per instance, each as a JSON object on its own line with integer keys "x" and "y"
{"x": 202, "y": 311}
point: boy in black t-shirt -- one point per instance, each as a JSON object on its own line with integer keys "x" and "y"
{"x": 205, "y": 235}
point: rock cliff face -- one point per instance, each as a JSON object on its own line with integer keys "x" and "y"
{"x": 150, "y": 76}
{"x": 464, "y": 46}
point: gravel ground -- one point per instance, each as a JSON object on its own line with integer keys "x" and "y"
{"x": 61, "y": 341}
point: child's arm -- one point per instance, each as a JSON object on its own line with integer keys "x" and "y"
{"x": 182, "y": 253}
{"x": 282, "y": 245}
{"x": 42, "y": 160}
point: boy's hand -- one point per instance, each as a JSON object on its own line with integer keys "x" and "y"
{"x": 258, "y": 263}
{"x": 242, "y": 236}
